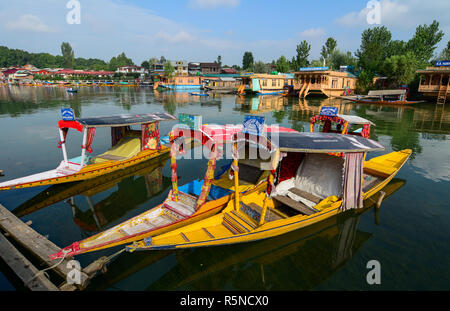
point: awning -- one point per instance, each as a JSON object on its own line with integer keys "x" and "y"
{"x": 355, "y": 119}
{"x": 324, "y": 143}
{"x": 125, "y": 119}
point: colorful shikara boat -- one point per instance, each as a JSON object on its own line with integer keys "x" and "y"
{"x": 338, "y": 123}
{"x": 189, "y": 203}
{"x": 312, "y": 185}
{"x": 129, "y": 147}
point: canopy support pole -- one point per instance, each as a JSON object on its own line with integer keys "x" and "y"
{"x": 236, "y": 180}
{"x": 83, "y": 150}
{"x": 63, "y": 146}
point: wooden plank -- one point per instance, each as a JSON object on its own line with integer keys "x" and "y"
{"x": 306, "y": 195}
{"x": 37, "y": 244}
{"x": 302, "y": 208}
{"x": 23, "y": 268}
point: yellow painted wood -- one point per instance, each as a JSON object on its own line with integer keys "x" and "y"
{"x": 328, "y": 207}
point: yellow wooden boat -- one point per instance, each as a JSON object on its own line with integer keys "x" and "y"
{"x": 312, "y": 185}
{"x": 184, "y": 205}
{"x": 129, "y": 147}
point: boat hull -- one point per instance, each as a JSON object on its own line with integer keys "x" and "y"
{"x": 216, "y": 233}
{"x": 60, "y": 175}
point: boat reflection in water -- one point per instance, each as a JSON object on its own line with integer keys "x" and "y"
{"x": 306, "y": 256}
{"x": 135, "y": 185}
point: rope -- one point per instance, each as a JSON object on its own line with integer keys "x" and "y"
{"x": 49, "y": 268}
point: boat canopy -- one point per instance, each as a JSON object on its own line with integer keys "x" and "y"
{"x": 116, "y": 120}
{"x": 324, "y": 143}
{"x": 347, "y": 118}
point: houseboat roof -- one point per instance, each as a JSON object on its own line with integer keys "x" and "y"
{"x": 387, "y": 92}
{"x": 355, "y": 119}
{"x": 125, "y": 119}
{"x": 324, "y": 143}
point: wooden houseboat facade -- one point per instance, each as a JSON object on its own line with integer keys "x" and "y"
{"x": 181, "y": 83}
{"x": 435, "y": 82}
{"x": 222, "y": 84}
{"x": 325, "y": 82}
{"x": 264, "y": 84}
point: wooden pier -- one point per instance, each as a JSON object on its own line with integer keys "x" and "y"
{"x": 38, "y": 247}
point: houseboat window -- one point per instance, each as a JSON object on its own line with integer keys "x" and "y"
{"x": 264, "y": 83}
{"x": 334, "y": 83}
{"x": 274, "y": 82}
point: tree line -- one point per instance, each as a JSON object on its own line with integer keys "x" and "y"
{"x": 67, "y": 59}
{"x": 378, "y": 54}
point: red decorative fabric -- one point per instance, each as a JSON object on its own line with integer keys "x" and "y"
{"x": 89, "y": 139}
{"x": 289, "y": 165}
{"x": 64, "y": 131}
{"x": 353, "y": 176}
{"x": 70, "y": 124}
{"x": 150, "y": 136}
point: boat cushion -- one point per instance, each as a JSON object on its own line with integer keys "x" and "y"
{"x": 378, "y": 168}
{"x": 126, "y": 148}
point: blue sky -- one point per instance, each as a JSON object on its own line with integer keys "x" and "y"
{"x": 199, "y": 30}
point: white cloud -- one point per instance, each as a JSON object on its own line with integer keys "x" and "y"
{"x": 213, "y": 4}
{"x": 313, "y": 32}
{"x": 179, "y": 37}
{"x": 28, "y": 22}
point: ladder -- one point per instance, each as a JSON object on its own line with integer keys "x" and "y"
{"x": 442, "y": 95}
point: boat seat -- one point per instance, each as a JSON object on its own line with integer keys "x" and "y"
{"x": 374, "y": 168}
{"x": 302, "y": 208}
{"x": 254, "y": 211}
{"x": 306, "y": 195}
{"x": 126, "y": 148}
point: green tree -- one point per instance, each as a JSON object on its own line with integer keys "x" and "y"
{"x": 261, "y": 67}
{"x": 338, "y": 59}
{"x": 168, "y": 70}
{"x": 68, "y": 55}
{"x": 293, "y": 64}
{"x": 247, "y": 61}
{"x": 374, "y": 48}
{"x": 282, "y": 64}
{"x": 400, "y": 69}
{"x": 424, "y": 42}
{"x": 145, "y": 64}
{"x": 445, "y": 54}
{"x": 219, "y": 60}
{"x": 328, "y": 49}
{"x": 120, "y": 61}
{"x": 303, "y": 50}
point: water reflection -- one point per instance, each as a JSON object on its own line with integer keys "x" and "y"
{"x": 131, "y": 187}
{"x": 307, "y": 256}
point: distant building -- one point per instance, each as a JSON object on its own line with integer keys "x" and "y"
{"x": 210, "y": 68}
{"x": 229, "y": 71}
{"x": 132, "y": 69}
{"x": 181, "y": 67}
{"x": 68, "y": 73}
{"x": 157, "y": 67}
{"x": 194, "y": 68}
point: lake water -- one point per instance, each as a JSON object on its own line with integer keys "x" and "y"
{"x": 409, "y": 235}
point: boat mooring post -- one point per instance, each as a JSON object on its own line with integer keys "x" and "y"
{"x": 380, "y": 199}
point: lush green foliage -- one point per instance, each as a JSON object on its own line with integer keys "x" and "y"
{"x": 282, "y": 64}
{"x": 168, "y": 70}
{"x": 400, "y": 69}
{"x": 68, "y": 55}
{"x": 261, "y": 67}
{"x": 119, "y": 61}
{"x": 247, "y": 61}
{"x": 303, "y": 50}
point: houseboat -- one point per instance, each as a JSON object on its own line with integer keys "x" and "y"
{"x": 264, "y": 84}
{"x": 222, "y": 84}
{"x": 181, "y": 83}
{"x": 435, "y": 82}
{"x": 325, "y": 82}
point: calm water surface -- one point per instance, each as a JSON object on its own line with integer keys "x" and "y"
{"x": 409, "y": 235}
